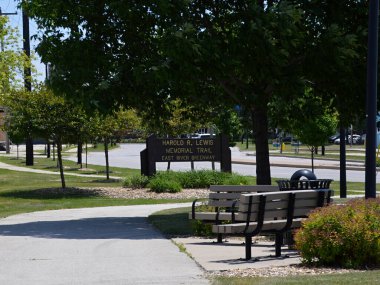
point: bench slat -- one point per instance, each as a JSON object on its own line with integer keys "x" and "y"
{"x": 238, "y": 228}
{"x": 243, "y": 207}
{"x": 270, "y": 215}
{"x": 223, "y": 195}
{"x": 210, "y": 216}
{"x": 300, "y": 194}
{"x": 243, "y": 188}
{"x": 224, "y": 203}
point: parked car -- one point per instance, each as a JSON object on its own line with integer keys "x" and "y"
{"x": 202, "y": 136}
{"x": 333, "y": 138}
{"x": 287, "y": 139}
{"x": 354, "y": 139}
{"x": 2, "y": 146}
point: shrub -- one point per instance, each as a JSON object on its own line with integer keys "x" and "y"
{"x": 342, "y": 235}
{"x": 205, "y": 178}
{"x": 187, "y": 179}
{"x": 236, "y": 179}
{"x": 202, "y": 229}
{"x": 136, "y": 181}
{"x": 160, "y": 184}
{"x": 199, "y": 227}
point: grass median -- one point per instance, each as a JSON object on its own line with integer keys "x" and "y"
{"x": 22, "y": 192}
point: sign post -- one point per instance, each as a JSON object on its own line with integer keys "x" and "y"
{"x": 182, "y": 150}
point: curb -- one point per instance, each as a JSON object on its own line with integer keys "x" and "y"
{"x": 337, "y": 167}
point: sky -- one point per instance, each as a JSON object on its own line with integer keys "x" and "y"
{"x": 10, "y": 6}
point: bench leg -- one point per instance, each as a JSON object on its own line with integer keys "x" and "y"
{"x": 220, "y": 238}
{"x": 279, "y": 241}
{"x": 248, "y": 247}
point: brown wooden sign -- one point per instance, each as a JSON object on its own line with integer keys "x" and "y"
{"x": 179, "y": 150}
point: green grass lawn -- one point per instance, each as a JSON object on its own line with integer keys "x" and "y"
{"x": 362, "y": 278}
{"x": 40, "y": 162}
{"x": 355, "y": 153}
{"x": 22, "y": 192}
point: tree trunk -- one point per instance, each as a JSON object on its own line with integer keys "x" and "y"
{"x": 79, "y": 153}
{"x": 48, "y": 150}
{"x": 247, "y": 139}
{"x": 86, "y": 153}
{"x": 343, "y": 177}
{"x": 260, "y": 123}
{"x": 106, "y": 154}
{"x": 59, "y": 152}
{"x": 29, "y": 151}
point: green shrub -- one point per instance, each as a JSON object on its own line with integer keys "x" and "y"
{"x": 160, "y": 184}
{"x": 205, "y": 178}
{"x": 342, "y": 235}
{"x": 236, "y": 179}
{"x": 202, "y": 229}
{"x": 136, "y": 181}
{"x": 187, "y": 179}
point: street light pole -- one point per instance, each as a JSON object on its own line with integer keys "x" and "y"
{"x": 27, "y": 81}
{"x": 370, "y": 165}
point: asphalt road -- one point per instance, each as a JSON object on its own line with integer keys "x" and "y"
{"x": 128, "y": 155}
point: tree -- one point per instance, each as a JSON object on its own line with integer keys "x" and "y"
{"x": 41, "y": 113}
{"x": 108, "y": 127}
{"x": 313, "y": 122}
{"x": 175, "y": 118}
{"x": 336, "y": 59}
{"x": 12, "y": 58}
{"x": 244, "y": 53}
{"x": 227, "y": 122}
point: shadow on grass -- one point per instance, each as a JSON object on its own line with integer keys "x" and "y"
{"x": 172, "y": 225}
{"x": 105, "y": 181}
{"x": 52, "y": 193}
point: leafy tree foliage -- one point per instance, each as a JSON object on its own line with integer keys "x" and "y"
{"x": 255, "y": 54}
{"x": 245, "y": 53}
{"x": 108, "y": 127}
{"x": 177, "y": 118}
{"x": 12, "y": 58}
{"x": 41, "y": 113}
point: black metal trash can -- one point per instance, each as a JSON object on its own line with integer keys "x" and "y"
{"x": 296, "y": 183}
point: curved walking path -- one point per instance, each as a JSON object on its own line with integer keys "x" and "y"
{"x": 107, "y": 245}
{"x": 28, "y": 169}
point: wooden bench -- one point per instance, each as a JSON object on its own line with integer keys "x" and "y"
{"x": 224, "y": 201}
{"x": 276, "y": 213}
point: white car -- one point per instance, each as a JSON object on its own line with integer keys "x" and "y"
{"x": 356, "y": 139}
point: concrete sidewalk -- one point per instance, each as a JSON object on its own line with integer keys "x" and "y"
{"x": 229, "y": 255}
{"x": 108, "y": 245}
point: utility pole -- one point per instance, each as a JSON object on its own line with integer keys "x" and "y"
{"x": 372, "y": 65}
{"x": 7, "y": 142}
{"x": 27, "y": 81}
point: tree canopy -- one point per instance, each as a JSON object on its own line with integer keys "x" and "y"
{"x": 259, "y": 55}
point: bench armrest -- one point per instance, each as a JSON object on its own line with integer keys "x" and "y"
{"x": 193, "y": 207}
